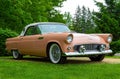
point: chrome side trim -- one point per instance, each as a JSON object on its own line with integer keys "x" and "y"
{"x": 87, "y": 53}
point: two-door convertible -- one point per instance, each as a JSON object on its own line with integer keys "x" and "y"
{"x": 57, "y": 42}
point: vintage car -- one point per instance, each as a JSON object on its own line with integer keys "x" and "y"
{"x": 57, "y": 42}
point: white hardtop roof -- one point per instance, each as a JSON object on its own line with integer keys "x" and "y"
{"x": 37, "y": 23}
{"x": 32, "y": 24}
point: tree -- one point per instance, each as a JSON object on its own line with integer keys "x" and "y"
{"x": 77, "y": 20}
{"x": 15, "y": 14}
{"x": 107, "y": 19}
{"x": 12, "y": 16}
{"x": 55, "y": 16}
{"x": 68, "y": 19}
{"x": 82, "y": 21}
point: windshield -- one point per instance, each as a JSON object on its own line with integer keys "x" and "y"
{"x": 53, "y": 28}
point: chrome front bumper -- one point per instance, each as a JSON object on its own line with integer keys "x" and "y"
{"x": 87, "y": 53}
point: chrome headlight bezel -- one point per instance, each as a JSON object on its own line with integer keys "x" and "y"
{"x": 69, "y": 38}
{"x": 109, "y": 39}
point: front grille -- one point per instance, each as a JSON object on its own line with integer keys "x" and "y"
{"x": 91, "y": 46}
{"x": 88, "y": 46}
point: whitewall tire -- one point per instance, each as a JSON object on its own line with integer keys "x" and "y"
{"x": 16, "y": 54}
{"x": 55, "y": 54}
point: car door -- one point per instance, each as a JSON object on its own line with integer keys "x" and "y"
{"x": 30, "y": 43}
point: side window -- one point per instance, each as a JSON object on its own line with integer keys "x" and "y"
{"x": 33, "y": 30}
{"x": 37, "y": 30}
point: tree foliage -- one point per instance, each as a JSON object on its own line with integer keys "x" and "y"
{"x": 82, "y": 21}
{"x": 107, "y": 19}
{"x": 15, "y": 14}
{"x": 4, "y": 34}
{"x": 68, "y": 20}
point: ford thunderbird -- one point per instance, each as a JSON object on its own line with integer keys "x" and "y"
{"x": 57, "y": 42}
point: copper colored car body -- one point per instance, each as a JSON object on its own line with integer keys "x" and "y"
{"x": 56, "y": 41}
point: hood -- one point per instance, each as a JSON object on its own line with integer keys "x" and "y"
{"x": 80, "y": 38}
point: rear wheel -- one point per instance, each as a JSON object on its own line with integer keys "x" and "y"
{"x": 16, "y": 54}
{"x": 55, "y": 54}
{"x": 97, "y": 58}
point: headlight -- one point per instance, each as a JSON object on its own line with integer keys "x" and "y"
{"x": 109, "y": 39}
{"x": 69, "y": 39}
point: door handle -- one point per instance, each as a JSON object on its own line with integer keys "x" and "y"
{"x": 21, "y": 38}
{"x": 40, "y": 38}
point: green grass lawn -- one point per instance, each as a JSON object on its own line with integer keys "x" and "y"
{"x": 113, "y": 57}
{"x": 38, "y": 68}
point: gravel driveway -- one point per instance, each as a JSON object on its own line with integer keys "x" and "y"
{"x": 111, "y": 60}
{"x": 87, "y": 60}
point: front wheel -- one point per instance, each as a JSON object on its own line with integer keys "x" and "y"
{"x": 16, "y": 54}
{"x": 55, "y": 54}
{"x": 97, "y": 58}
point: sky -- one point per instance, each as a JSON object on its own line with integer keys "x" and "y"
{"x": 71, "y": 5}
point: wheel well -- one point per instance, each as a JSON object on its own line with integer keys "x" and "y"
{"x": 13, "y": 50}
{"x": 48, "y": 46}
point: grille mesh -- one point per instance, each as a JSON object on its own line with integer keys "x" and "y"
{"x": 91, "y": 46}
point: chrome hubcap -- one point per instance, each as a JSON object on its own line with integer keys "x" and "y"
{"x": 55, "y": 53}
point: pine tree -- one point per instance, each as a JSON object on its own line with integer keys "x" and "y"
{"x": 107, "y": 19}
{"x": 68, "y": 19}
{"x": 82, "y": 21}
